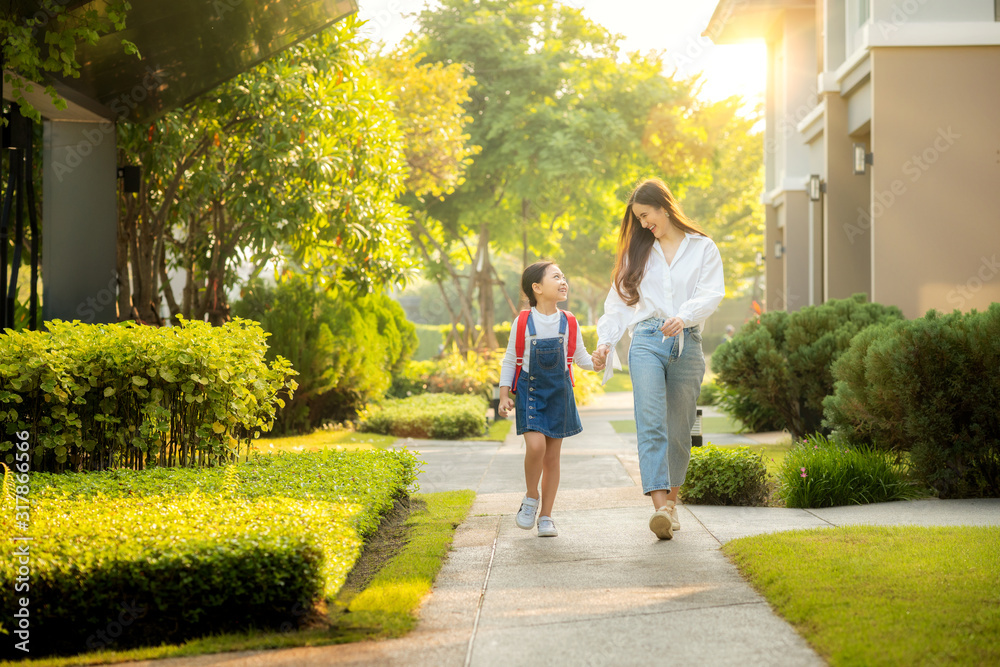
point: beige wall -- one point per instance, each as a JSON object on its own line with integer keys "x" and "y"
{"x": 774, "y": 281}
{"x": 795, "y": 211}
{"x": 846, "y": 223}
{"x": 935, "y": 193}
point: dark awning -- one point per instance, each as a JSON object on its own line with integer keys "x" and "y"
{"x": 188, "y": 47}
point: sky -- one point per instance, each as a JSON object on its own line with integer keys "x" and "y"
{"x": 671, "y": 25}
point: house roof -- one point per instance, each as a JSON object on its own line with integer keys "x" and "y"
{"x": 737, "y": 21}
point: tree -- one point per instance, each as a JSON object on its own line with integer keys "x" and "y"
{"x": 550, "y": 145}
{"x": 427, "y": 102}
{"x": 297, "y": 159}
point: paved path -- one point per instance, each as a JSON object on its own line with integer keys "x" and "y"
{"x": 606, "y": 591}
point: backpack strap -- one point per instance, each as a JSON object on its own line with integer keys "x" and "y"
{"x": 570, "y": 344}
{"x": 522, "y": 322}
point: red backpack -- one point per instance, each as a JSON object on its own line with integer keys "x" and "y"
{"x": 522, "y": 324}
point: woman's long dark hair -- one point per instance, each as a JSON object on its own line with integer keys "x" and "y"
{"x": 635, "y": 243}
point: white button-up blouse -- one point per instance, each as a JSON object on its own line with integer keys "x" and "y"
{"x": 690, "y": 288}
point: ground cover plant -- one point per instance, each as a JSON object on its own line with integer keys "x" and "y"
{"x": 198, "y": 551}
{"x": 437, "y": 416}
{"x": 725, "y": 476}
{"x": 869, "y": 595}
{"x": 818, "y": 472}
{"x": 124, "y": 395}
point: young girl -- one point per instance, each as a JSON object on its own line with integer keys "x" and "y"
{"x": 667, "y": 280}
{"x": 546, "y": 409}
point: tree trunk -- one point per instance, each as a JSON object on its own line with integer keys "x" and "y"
{"x": 484, "y": 278}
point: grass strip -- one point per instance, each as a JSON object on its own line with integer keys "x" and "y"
{"x": 873, "y": 595}
{"x": 498, "y": 430}
{"x": 320, "y": 439}
{"x": 385, "y": 608}
{"x": 708, "y": 425}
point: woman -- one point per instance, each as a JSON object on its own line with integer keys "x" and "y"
{"x": 667, "y": 280}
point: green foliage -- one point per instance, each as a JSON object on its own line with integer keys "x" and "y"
{"x": 438, "y": 416}
{"x": 44, "y": 40}
{"x": 928, "y": 386}
{"x": 123, "y": 395}
{"x": 783, "y": 362}
{"x": 345, "y": 347}
{"x": 725, "y": 476}
{"x": 588, "y": 331}
{"x": 818, "y": 472}
{"x": 197, "y": 551}
{"x": 298, "y": 158}
{"x": 709, "y": 394}
{"x": 755, "y": 417}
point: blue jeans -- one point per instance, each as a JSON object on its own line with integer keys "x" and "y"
{"x": 665, "y": 390}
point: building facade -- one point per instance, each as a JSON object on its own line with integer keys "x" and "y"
{"x": 882, "y": 149}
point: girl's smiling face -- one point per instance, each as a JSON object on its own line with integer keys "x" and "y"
{"x": 653, "y": 218}
{"x": 553, "y": 286}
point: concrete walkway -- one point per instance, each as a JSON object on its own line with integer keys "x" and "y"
{"x": 606, "y": 591}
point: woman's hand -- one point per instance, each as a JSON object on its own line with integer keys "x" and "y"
{"x": 600, "y": 357}
{"x": 672, "y": 326}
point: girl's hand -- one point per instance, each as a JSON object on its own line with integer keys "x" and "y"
{"x": 672, "y": 326}
{"x": 599, "y": 357}
{"x": 506, "y": 405}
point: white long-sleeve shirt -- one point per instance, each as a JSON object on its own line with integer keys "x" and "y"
{"x": 691, "y": 288}
{"x": 546, "y": 326}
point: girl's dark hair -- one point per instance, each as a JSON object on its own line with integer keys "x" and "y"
{"x": 533, "y": 274}
{"x": 635, "y": 243}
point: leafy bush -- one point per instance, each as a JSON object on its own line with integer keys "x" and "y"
{"x": 725, "y": 476}
{"x": 588, "y": 331}
{"x": 709, "y": 394}
{"x": 438, "y": 416}
{"x": 754, "y": 417}
{"x": 783, "y": 362}
{"x": 820, "y": 473}
{"x": 345, "y": 348}
{"x": 195, "y": 552}
{"x": 97, "y": 396}
{"x": 929, "y": 386}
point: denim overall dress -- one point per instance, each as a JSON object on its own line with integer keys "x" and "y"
{"x": 544, "y": 400}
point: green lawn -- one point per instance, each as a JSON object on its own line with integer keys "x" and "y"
{"x": 901, "y": 595}
{"x": 498, "y": 430}
{"x": 322, "y": 439}
{"x": 620, "y": 381}
{"x": 386, "y": 607}
{"x": 708, "y": 425}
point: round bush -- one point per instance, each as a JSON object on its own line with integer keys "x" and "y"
{"x": 929, "y": 386}
{"x": 438, "y": 416}
{"x": 725, "y": 476}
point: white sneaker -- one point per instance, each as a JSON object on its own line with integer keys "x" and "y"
{"x": 547, "y": 527}
{"x": 675, "y": 523}
{"x": 662, "y": 524}
{"x": 526, "y": 515}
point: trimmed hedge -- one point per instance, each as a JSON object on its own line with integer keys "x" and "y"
{"x": 433, "y": 336}
{"x": 782, "y": 363}
{"x": 96, "y": 396}
{"x": 195, "y": 552}
{"x": 437, "y": 416}
{"x": 931, "y": 387}
{"x": 725, "y": 476}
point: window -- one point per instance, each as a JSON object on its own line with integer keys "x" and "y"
{"x": 865, "y": 11}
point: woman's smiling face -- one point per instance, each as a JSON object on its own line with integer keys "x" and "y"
{"x": 653, "y": 218}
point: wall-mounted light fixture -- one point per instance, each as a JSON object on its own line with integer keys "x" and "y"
{"x": 130, "y": 176}
{"x": 815, "y": 187}
{"x": 779, "y": 249}
{"x": 861, "y": 159}
{"x": 759, "y": 258}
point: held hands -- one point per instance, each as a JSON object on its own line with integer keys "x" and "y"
{"x": 672, "y": 326}
{"x": 506, "y": 405}
{"x": 600, "y": 357}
